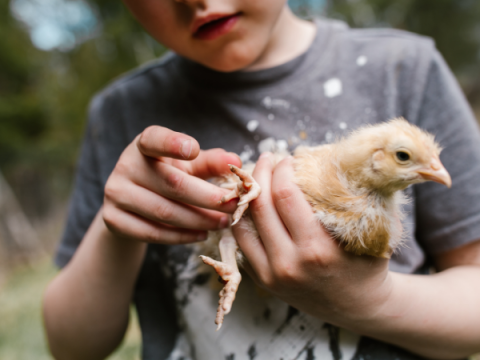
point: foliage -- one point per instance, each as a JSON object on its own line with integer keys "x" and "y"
{"x": 44, "y": 98}
{"x": 22, "y": 118}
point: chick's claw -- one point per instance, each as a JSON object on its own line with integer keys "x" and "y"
{"x": 237, "y": 215}
{"x": 231, "y": 278}
{"x": 246, "y": 178}
{"x": 247, "y": 191}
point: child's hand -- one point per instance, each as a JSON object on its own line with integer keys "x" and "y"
{"x": 156, "y": 193}
{"x": 297, "y": 260}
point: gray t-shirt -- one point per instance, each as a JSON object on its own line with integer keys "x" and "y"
{"x": 346, "y": 79}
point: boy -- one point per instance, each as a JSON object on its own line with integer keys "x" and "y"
{"x": 251, "y": 77}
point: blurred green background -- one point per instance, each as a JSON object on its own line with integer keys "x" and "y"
{"x": 55, "y": 54}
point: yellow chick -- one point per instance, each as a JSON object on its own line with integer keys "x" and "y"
{"x": 353, "y": 186}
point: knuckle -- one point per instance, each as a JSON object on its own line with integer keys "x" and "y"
{"x": 282, "y": 193}
{"x": 153, "y": 236}
{"x": 285, "y": 276}
{"x": 121, "y": 168}
{"x": 164, "y": 212}
{"x": 312, "y": 258}
{"x": 111, "y": 191}
{"x": 175, "y": 184}
{"x": 285, "y": 272}
{"x": 266, "y": 280}
{"x": 316, "y": 258}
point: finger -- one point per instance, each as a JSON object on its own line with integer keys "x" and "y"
{"x": 251, "y": 245}
{"x": 150, "y": 205}
{"x": 214, "y": 162}
{"x": 132, "y": 226}
{"x": 268, "y": 222}
{"x": 175, "y": 184}
{"x": 157, "y": 141}
{"x": 294, "y": 210}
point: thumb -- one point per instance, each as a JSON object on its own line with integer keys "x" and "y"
{"x": 214, "y": 162}
{"x": 157, "y": 141}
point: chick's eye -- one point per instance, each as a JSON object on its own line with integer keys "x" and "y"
{"x": 403, "y": 156}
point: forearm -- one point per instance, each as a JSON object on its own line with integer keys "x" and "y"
{"x": 437, "y": 316}
{"x": 86, "y": 306}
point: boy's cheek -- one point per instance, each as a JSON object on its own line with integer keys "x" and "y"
{"x": 165, "y": 20}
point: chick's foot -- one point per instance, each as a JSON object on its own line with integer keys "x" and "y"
{"x": 247, "y": 190}
{"x": 230, "y": 277}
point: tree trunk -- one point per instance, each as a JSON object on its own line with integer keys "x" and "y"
{"x": 18, "y": 239}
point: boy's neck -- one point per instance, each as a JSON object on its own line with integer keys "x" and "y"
{"x": 290, "y": 38}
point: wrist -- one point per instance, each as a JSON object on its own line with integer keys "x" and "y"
{"x": 371, "y": 305}
{"x": 103, "y": 256}
{"x": 388, "y": 304}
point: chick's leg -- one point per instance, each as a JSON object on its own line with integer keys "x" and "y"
{"x": 247, "y": 191}
{"x": 228, "y": 271}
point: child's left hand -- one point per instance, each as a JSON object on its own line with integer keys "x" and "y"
{"x": 297, "y": 260}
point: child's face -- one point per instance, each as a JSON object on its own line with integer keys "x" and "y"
{"x": 243, "y": 29}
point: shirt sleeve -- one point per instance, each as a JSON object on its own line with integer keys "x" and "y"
{"x": 87, "y": 196}
{"x": 449, "y": 218}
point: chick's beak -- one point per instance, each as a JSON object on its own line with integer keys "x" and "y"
{"x": 436, "y": 172}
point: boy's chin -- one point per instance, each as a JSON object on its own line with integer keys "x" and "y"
{"x": 229, "y": 62}
{"x": 227, "y": 66}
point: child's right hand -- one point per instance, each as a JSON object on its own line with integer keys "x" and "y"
{"x": 157, "y": 192}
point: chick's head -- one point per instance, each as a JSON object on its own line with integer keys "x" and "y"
{"x": 395, "y": 155}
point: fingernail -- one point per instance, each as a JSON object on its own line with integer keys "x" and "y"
{"x": 265, "y": 155}
{"x": 202, "y": 236}
{"x": 223, "y": 222}
{"x": 186, "y": 149}
{"x": 233, "y": 154}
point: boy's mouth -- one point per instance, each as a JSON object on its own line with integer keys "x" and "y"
{"x": 213, "y": 26}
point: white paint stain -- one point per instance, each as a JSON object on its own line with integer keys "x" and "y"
{"x": 272, "y": 145}
{"x": 332, "y": 88}
{"x": 271, "y": 117}
{"x": 282, "y": 145}
{"x": 252, "y": 125}
{"x": 362, "y": 60}
{"x": 266, "y": 145}
{"x": 270, "y": 103}
{"x": 329, "y": 137}
{"x": 246, "y": 154}
{"x": 342, "y": 125}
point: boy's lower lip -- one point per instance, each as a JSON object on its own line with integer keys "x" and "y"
{"x": 216, "y": 28}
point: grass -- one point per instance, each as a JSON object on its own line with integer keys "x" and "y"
{"x": 21, "y": 329}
